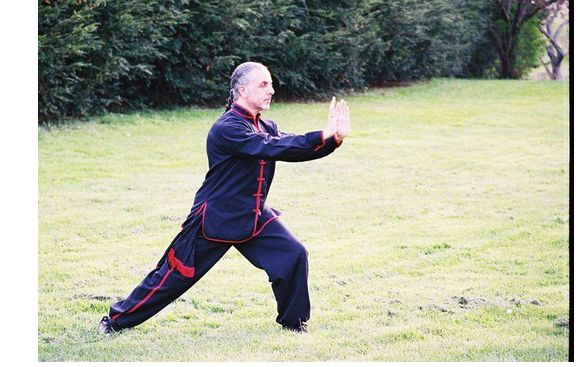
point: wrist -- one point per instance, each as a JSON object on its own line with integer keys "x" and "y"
{"x": 338, "y": 138}
{"x": 327, "y": 133}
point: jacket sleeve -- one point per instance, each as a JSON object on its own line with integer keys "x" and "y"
{"x": 240, "y": 139}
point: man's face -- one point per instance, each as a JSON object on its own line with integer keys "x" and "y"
{"x": 257, "y": 93}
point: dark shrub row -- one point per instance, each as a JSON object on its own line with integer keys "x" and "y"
{"x": 97, "y": 56}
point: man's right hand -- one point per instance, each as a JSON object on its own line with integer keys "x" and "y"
{"x": 343, "y": 121}
{"x": 338, "y": 123}
{"x": 331, "y": 128}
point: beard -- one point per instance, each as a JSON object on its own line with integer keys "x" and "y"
{"x": 264, "y": 106}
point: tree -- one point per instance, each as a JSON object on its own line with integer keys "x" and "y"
{"x": 509, "y": 18}
{"x": 551, "y": 30}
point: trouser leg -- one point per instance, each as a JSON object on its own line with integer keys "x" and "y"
{"x": 165, "y": 284}
{"x": 284, "y": 259}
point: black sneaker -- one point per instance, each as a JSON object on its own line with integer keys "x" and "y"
{"x": 105, "y": 326}
{"x": 299, "y": 328}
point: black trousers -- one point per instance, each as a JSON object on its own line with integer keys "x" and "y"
{"x": 275, "y": 250}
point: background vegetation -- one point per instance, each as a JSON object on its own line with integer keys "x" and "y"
{"x": 97, "y": 56}
{"x": 447, "y": 207}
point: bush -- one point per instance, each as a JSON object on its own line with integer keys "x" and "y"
{"x": 417, "y": 39}
{"x": 98, "y": 56}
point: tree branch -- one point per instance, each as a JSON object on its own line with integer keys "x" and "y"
{"x": 539, "y": 7}
{"x": 498, "y": 41}
{"x": 553, "y": 42}
{"x": 554, "y": 50}
{"x": 560, "y": 28}
{"x": 505, "y": 6}
{"x": 550, "y": 73}
{"x": 520, "y": 16}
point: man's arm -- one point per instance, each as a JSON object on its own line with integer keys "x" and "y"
{"x": 241, "y": 139}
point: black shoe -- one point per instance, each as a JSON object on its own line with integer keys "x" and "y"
{"x": 105, "y": 326}
{"x": 299, "y": 328}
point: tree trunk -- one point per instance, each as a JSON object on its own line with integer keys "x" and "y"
{"x": 556, "y": 72}
{"x": 507, "y": 61}
{"x": 505, "y": 45}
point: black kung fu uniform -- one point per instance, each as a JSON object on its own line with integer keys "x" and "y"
{"x": 230, "y": 210}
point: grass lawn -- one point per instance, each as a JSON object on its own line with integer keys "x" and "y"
{"x": 437, "y": 232}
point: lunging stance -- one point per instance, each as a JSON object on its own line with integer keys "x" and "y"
{"x": 230, "y": 208}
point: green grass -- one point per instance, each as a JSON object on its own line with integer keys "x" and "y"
{"x": 446, "y": 207}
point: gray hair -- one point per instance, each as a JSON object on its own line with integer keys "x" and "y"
{"x": 240, "y": 78}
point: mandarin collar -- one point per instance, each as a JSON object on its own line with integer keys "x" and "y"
{"x": 242, "y": 111}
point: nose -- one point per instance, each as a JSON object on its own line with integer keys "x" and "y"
{"x": 271, "y": 90}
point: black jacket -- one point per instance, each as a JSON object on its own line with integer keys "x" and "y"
{"x": 242, "y": 150}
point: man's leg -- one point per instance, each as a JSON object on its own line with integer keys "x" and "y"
{"x": 284, "y": 259}
{"x": 165, "y": 284}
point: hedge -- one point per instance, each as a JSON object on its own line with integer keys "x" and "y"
{"x": 101, "y": 56}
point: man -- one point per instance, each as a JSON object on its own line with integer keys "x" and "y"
{"x": 230, "y": 210}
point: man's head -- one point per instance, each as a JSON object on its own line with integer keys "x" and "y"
{"x": 252, "y": 86}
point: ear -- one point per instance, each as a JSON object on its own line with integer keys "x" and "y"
{"x": 242, "y": 91}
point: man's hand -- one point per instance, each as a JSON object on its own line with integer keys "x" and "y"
{"x": 331, "y": 128}
{"x": 343, "y": 121}
{"x": 338, "y": 123}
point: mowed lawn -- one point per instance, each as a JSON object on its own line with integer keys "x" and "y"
{"x": 439, "y": 231}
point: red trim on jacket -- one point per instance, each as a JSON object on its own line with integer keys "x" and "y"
{"x": 258, "y": 194}
{"x": 243, "y": 112}
{"x": 235, "y": 107}
{"x": 336, "y": 142}
{"x": 256, "y": 122}
{"x": 254, "y": 234}
{"x": 322, "y": 142}
{"x": 199, "y": 210}
{"x": 242, "y": 115}
{"x": 257, "y": 210}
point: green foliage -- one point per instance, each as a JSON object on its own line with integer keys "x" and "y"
{"x": 97, "y": 56}
{"x": 480, "y": 57}
{"x": 311, "y": 47}
{"x": 418, "y": 39}
{"x": 531, "y": 46}
{"x": 100, "y": 55}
